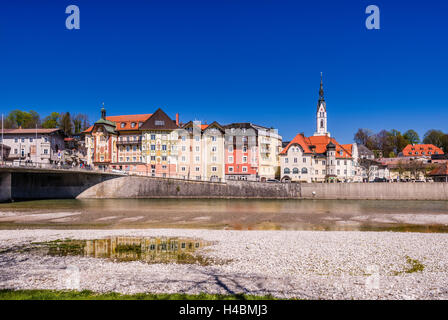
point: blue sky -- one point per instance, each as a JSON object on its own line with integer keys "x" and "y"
{"x": 231, "y": 61}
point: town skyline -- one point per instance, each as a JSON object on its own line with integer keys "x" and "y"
{"x": 211, "y": 62}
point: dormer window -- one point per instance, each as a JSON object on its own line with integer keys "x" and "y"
{"x": 133, "y": 125}
{"x": 159, "y": 123}
{"x": 122, "y": 124}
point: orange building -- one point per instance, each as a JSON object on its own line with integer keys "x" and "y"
{"x": 421, "y": 150}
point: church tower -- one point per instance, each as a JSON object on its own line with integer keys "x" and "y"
{"x": 321, "y": 115}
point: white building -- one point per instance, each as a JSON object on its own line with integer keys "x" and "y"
{"x": 319, "y": 158}
{"x": 41, "y": 146}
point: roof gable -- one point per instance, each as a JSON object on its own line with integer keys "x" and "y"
{"x": 159, "y": 121}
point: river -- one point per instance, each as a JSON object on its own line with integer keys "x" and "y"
{"x": 365, "y": 215}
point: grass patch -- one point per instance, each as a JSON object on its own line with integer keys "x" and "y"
{"x": 90, "y": 295}
{"x": 414, "y": 266}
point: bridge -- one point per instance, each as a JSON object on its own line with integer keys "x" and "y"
{"x": 27, "y": 183}
{"x": 31, "y": 183}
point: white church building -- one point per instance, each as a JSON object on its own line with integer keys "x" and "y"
{"x": 319, "y": 158}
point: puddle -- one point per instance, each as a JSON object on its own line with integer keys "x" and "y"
{"x": 119, "y": 249}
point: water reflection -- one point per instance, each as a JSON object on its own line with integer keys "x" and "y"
{"x": 146, "y": 249}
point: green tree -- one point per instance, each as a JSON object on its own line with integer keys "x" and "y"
{"x": 66, "y": 123}
{"x": 18, "y": 118}
{"x": 412, "y": 136}
{"x": 51, "y": 121}
{"x": 362, "y": 136}
{"x": 396, "y": 141}
{"x": 435, "y": 137}
{"x": 80, "y": 122}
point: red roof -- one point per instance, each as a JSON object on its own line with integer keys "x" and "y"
{"x": 440, "y": 170}
{"x": 318, "y": 144}
{"x": 124, "y": 122}
{"x": 421, "y": 150}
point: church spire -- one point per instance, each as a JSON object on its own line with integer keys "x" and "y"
{"x": 321, "y": 90}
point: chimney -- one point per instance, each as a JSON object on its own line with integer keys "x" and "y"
{"x": 177, "y": 119}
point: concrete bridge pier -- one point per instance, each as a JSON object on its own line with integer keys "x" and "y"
{"x": 5, "y": 186}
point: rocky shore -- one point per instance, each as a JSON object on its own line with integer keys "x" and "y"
{"x": 286, "y": 264}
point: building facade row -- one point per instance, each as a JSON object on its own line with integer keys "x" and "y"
{"x": 156, "y": 145}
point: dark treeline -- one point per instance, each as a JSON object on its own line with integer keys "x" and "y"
{"x": 31, "y": 119}
{"x": 391, "y": 143}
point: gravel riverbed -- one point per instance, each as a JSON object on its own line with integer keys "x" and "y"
{"x": 286, "y": 264}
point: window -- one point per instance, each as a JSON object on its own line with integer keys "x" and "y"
{"x": 230, "y": 169}
{"x": 197, "y": 158}
{"x": 31, "y": 139}
{"x": 286, "y": 171}
{"x": 213, "y": 149}
{"x": 164, "y": 147}
{"x": 134, "y": 148}
{"x": 244, "y": 159}
{"x": 324, "y": 171}
{"x": 304, "y": 160}
{"x": 244, "y": 169}
{"x": 127, "y": 159}
{"x": 295, "y": 171}
{"x": 197, "y": 148}
{"x": 286, "y": 160}
{"x": 23, "y": 139}
{"x": 45, "y": 139}
{"x": 213, "y": 138}
{"x": 184, "y": 148}
{"x": 153, "y": 158}
{"x": 45, "y": 151}
{"x": 230, "y": 159}
{"x": 295, "y": 160}
{"x": 345, "y": 162}
{"x": 16, "y": 140}
{"x": 244, "y": 149}
{"x": 197, "y": 138}
{"x": 183, "y": 158}
{"x": 127, "y": 148}
{"x": 163, "y": 158}
{"x": 133, "y": 125}
{"x": 159, "y": 123}
{"x": 230, "y": 148}
{"x": 164, "y": 137}
{"x": 214, "y": 159}
{"x": 214, "y": 169}
{"x": 121, "y": 159}
{"x": 184, "y": 138}
{"x": 338, "y": 171}
{"x": 304, "y": 170}
{"x": 337, "y": 162}
{"x": 183, "y": 169}
{"x": 153, "y": 137}
{"x": 197, "y": 169}
{"x": 317, "y": 172}
{"x": 316, "y": 161}
{"x": 134, "y": 159}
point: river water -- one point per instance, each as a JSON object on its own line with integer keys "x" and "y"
{"x": 421, "y": 216}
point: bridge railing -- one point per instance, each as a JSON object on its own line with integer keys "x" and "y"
{"x": 53, "y": 166}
